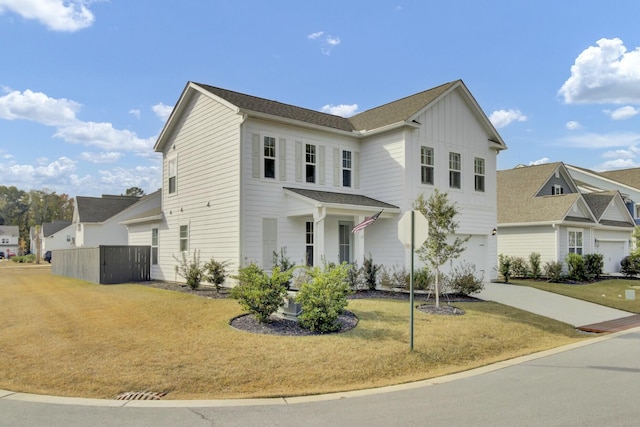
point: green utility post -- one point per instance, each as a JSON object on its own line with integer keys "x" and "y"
{"x": 411, "y": 283}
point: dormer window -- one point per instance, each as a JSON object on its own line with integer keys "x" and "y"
{"x": 556, "y": 190}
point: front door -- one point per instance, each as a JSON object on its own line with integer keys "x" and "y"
{"x": 345, "y": 241}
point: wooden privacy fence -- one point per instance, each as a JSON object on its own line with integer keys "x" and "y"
{"x": 104, "y": 264}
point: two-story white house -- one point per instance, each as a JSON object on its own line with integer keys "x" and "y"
{"x": 9, "y": 240}
{"x": 244, "y": 177}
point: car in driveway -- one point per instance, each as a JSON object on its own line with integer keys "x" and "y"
{"x": 1, "y": 255}
{"x": 47, "y": 256}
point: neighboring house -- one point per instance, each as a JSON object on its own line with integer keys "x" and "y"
{"x": 97, "y": 220}
{"x": 143, "y": 221}
{"x": 541, "y": 209}
{"x": 244, "y": 177}
{"x": 626, "y": 181}
{"x": 9, "y": 239}
{"x": 58, "y": 234}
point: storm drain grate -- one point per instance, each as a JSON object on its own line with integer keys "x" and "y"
{"x": 141, "y": 395}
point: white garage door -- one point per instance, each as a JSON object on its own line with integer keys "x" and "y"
{"x": 476, "y": 253}
{"x": 612, "y": 254}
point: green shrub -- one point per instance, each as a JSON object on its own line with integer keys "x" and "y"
{"x": 283, "y": 262}
{"x": 630, "y": 265}
{"x": 519, "y": 268}
{"x": 422, "y": 279}
{"x": 24, "y": 259}
{"x": 534, "y": 265}
{"x": 355, "y": 276}
{"x": 385, "y": 279}
{"x": 215, "y": 272}
{"x": 504, "y": 267}
{"x": 260, "y": 294}
{"x": 464, "y": 281}
{"x": 370, "y": 273}
{"x": 593, "y": 266}
{"x": 324, "y": 298}
{"x": 553, "y": 271}
{"x": 190, "y": 270}
{"x": 400, "y": 277}
{"x": 575, "y": 264}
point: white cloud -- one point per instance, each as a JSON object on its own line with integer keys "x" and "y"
{"x": 541, "y": 161}
{"x": 140, "y": 176}
{"x": 104, "y": 136}
{"x": 596, "y": 140}
{"x": 342, "y": 110}
{"x": 162, "y": 111}
{"x": 623, "y": 113}
{"x": 38, "y": 107}
{"x": 104, "y": 157}
{"x": 327, "y": 43}
{"x": 502, "y": 118}
{"x": 630, "y": 153}
{"x": 573, "y": 125}
{"x": 135, "y": 112}
{"x": 616, "y": 164}
{"x": 58, "y": 168}
{"x": 606, "y": 73}
{"x": 57, "y": 15}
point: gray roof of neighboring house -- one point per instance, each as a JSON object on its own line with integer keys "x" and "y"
{"x": 9, "y": 230}
{"x": 49, "y": 228}
{"x": 599, "y": 202}
{"x": 341, "y": 198}
{"x": 99, "y": 209}
{"x": 517, "y": 201}
{"x": 374, "y": 118}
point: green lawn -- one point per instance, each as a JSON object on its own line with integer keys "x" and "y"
{"x": 607, "y": 292}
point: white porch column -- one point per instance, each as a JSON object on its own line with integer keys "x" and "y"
{"x": 358, "y": 242}
{"x": 318, "y": 235}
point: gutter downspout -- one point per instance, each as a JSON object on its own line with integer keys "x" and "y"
{"x": 318, "y": 231}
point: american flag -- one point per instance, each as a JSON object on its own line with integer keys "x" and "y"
{"x": 366, "y": 222}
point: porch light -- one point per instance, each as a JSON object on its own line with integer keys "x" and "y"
{"x": 494, "y": 232}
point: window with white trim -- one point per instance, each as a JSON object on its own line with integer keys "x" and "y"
{"x": 478, "y": 171}
{"x": 556, "y": 190}
{"x": 309, "y": 243}
{"x": 346, "y": 168}
{"x": 154, "y": 246}
{"x": 173, "y": 175}
{"x": 426, "y": 165}
{"x": 184, "y": 238}
{"x": 575, "y": 242}
{"x": 310, "y": 163}
{"x": 455, "y": 165}
{"x": 269, "y": 157}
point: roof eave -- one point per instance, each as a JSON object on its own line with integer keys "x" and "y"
{"x": 293, "y": 122}
{"x": 389, "y": 127}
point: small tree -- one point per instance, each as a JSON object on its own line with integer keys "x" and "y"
{"x": 215, "y": 272}
{"x": 190, "y": 270}
{"x": 370, "y": 272}
{"x": 283, "y": 262}
{"x": 438, "y": 249}
{"x": 504, "y": 266}
{"x": 534, "y": 263}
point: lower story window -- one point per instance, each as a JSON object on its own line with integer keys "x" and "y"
{"x": 184, "y": 238}
{"x": 154, "y": 246}
{"x": 575, "y": 242}
{"x": 309, "y": 243}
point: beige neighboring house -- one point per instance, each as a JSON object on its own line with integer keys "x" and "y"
{"x": 245, "y": 176}
{"x": 541, "y": 209}
{"x": 9, "y": 240}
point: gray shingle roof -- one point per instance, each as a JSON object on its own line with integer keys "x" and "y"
{"x": 99, "y": 209}
{"x": 599, "y": 202}
{"x": 341, "y": 198}
{"x": 9, "y": 230}
{"x": 49, "y": 228}
{"x": 393, "y": 112}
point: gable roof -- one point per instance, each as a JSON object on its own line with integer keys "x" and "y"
{"x": 99, "y": 209}
{"x": 517, "y": 201}
{"x": 599, "y": 202}
{"x": 49, "y": 228}
{"x": 400, "y": 112}
{"x": 9, "y": 230}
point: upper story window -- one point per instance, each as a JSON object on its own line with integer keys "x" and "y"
{"x": 556, "y": 190}
{"x": 346, "y": 168}
{"x": 426, "y": 165}
{"x": 173, "y": 175}
{"x": 184, "y": 238}
{"x": 575, "y": 242}
{"x": 478, "y": 170}
{"x": 454, "y": 170}
{"x": 310, "y": 163}
{"x": 269, "y": 157}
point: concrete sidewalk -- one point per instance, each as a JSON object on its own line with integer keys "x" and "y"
{"x": 565, "y": 309}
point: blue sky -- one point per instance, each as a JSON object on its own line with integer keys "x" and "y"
{"x": 86, "y": 85}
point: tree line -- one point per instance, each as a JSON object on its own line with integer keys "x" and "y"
{"x": 30, "y": 208}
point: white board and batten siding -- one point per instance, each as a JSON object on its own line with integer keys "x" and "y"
{"x": 207, "y": 196}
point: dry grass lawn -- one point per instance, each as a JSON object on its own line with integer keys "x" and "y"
{"x": 72, "y": 338}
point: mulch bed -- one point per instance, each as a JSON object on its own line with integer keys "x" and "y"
{"x": 348, "y": 320}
